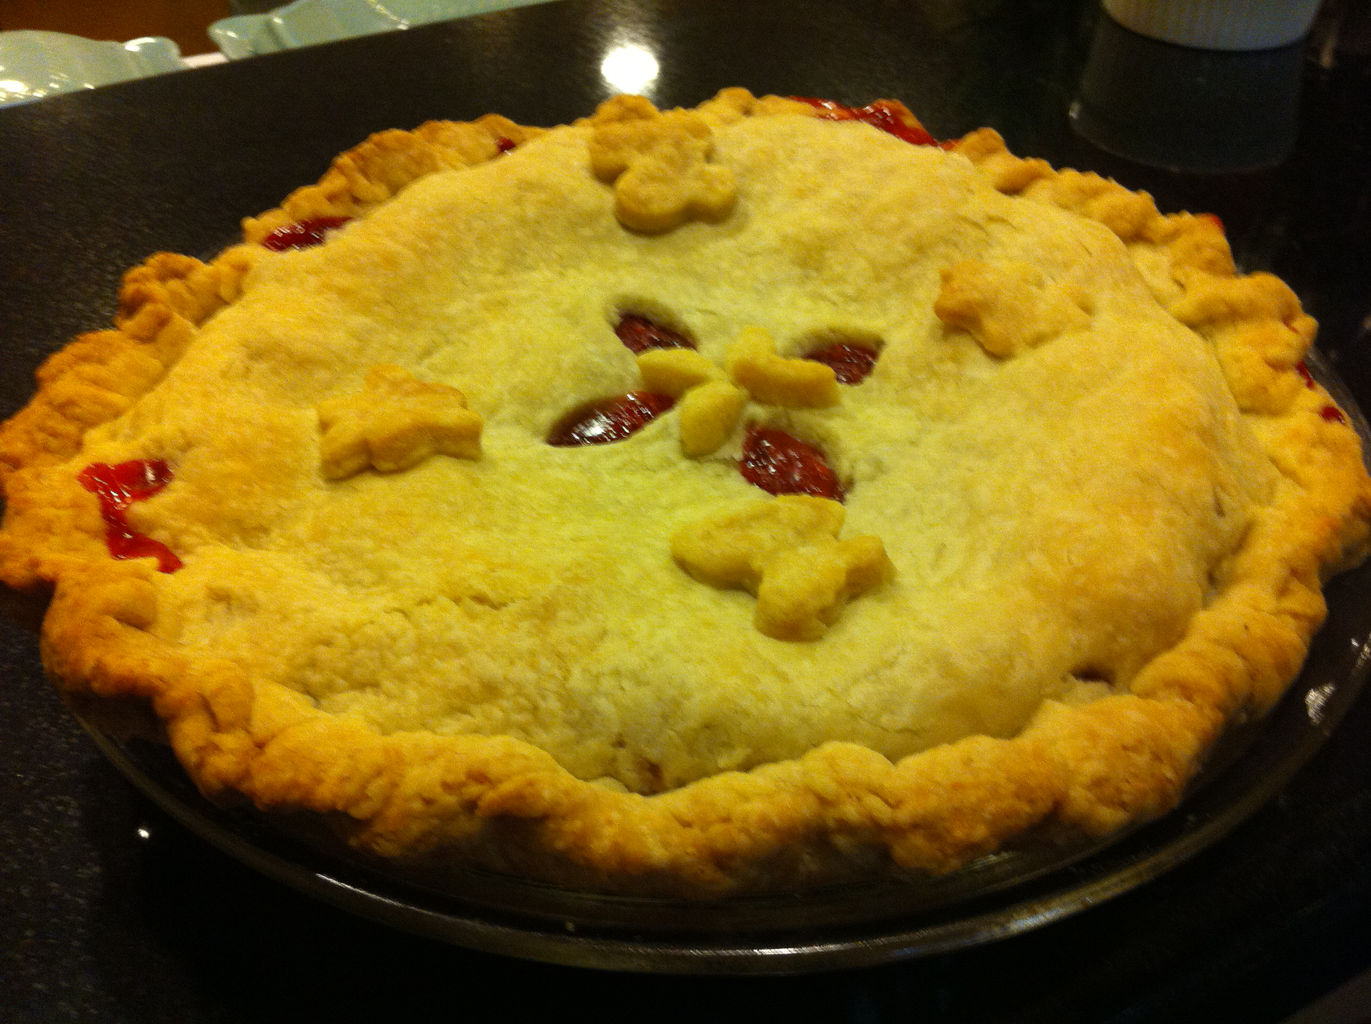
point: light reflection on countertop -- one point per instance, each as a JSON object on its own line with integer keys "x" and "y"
{"x": 629, "y": 67}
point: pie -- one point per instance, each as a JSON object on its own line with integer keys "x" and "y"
{"x": 694, "y": 501}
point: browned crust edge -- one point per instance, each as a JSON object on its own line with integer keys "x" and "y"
{"x": 1087, "y": 770}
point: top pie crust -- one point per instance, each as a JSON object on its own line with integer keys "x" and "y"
{"x": 1091, "y": 496}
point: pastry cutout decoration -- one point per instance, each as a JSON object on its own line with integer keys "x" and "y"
{"x": 396, "y": 421}
{"x": 786, "y": 553}
{"x": 773, "y": 379}
{"x": 1008, "y": 307}
{"x": 674, "y": 371}
{"x": 709, "y": 414}
{"x": 712, "y": 406}
{"x": 660, "y": 168}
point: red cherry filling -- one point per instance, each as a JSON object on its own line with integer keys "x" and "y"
{"x": 882, "y": 114}
{"x": 851, "y": 363}
{"x": 781, "y": 464}
{"x": 608, "y": 419}
{"x": 1329, "y": 412}
{"x": 638, "y": 333}
{"x": 303, "y": 234}
{"x": 120, "y": 486}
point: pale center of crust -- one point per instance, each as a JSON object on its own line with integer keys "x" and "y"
{"x": 1054, "y": 465}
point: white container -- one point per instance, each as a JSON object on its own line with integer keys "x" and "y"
{"x": 34, "y": 64}
{"x": 1217, "y": 24}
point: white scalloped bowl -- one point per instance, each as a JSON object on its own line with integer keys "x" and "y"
{"x": 35, "y": 64}
{"x": 309, "y": 22}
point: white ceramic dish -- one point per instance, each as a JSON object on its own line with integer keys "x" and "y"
{"x": 308, "y": 22}
{"x": 1218, "y": 24}
{"x": 37, "y": 64}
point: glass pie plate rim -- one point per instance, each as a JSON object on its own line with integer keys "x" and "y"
{"x": 857, "y": 924}
{"x": 848, "y": 925}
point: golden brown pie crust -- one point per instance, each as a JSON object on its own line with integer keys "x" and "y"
{"x": 1079, "y": 769}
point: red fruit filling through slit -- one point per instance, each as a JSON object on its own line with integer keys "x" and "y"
{"x": 851, "y": 363}
{"x": 1329, "y": 412}
{"x": 118, "y": 487}
{"x": 609, "y": 419}
{"x": 781, "y": 464}
{"x": 881, "y": 114}
{"x": 303, "y": 234}
{"x": 639, "y": 333}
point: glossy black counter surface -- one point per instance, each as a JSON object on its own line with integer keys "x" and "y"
{"x": 110, "y": 911}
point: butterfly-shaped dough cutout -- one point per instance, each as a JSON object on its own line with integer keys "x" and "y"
{"x": 395, "y": 422}
{"x": 786, "y": 552}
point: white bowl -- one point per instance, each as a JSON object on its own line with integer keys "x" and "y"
{"x": 308, "y": 22}
{"x": 37, "y": 64}
{"x": 1218, "y": 24}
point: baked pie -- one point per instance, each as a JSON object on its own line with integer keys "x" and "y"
{"x": 691, "y": 501}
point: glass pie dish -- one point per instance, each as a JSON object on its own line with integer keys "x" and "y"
{"x": 882, "y": 920}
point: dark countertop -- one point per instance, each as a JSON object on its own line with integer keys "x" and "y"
{"x": 112, "y": 911}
